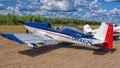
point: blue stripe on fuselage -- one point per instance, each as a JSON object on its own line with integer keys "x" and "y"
{"x": 43, "y": 26}
{"x": 76, "y": 34}
{"x": 36, "y": 25}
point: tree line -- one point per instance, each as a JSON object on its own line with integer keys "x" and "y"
{"x": 10, "y": 19}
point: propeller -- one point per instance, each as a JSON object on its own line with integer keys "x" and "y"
{"x": 21, "y": 21}
{"x": 31, "y": 18}
{"x": 27, "y": 31}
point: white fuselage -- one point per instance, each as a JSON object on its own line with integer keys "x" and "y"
{"x": 117, "y": 29}
{"x": 54, "y": 35}
{"x": 61, "y": 37}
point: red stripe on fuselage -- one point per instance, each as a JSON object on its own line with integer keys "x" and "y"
{"x": 50, "y": 32}
{"x": 59, "y": 35}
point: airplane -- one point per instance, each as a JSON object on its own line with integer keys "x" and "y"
{"x": 116, "y": 28}
{"x": 88, "y": 30}
{"x": 45, "y": 34}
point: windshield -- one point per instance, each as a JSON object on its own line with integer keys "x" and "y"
{"x": 73, "y": 27}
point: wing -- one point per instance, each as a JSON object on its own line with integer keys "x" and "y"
{"x": 30, "y": 39}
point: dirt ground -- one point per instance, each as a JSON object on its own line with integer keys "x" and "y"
{"x": 14, "y": 55}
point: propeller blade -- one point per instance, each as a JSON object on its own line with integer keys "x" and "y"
{"x": 27, "y": 31}
{"x": 21, "y": 21}
{"x": 31, "y": 18}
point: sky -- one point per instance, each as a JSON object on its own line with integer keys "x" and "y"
{"x": 97, "y": 10}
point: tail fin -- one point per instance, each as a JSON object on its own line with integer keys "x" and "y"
{"x": 105, "y": 33}
{"x": 87, "y": 28}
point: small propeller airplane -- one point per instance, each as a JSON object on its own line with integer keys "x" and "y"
{"x": 116, "y": 28}
{"x": 44, "y": 33}
{"x": 88, "y": 30}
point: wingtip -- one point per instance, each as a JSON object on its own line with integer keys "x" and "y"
{"x": 12, "y": 37}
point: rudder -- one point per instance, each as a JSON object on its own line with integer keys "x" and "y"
{"x": 109, "y": 38}
{"x": 105, "y": 33}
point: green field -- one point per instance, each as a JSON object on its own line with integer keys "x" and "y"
{"x": 15, "y": 20}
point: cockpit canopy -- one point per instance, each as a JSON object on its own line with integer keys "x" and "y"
{"x": 73, "y": 27}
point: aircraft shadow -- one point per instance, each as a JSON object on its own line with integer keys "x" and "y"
{"x": 116, "y": 38}
{"x": 42, "y": 50}
{"x": 99, "y": 51}
{"x": 46, "y": 49}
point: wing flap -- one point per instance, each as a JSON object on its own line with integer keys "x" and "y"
{"x": 29, "y": 38}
